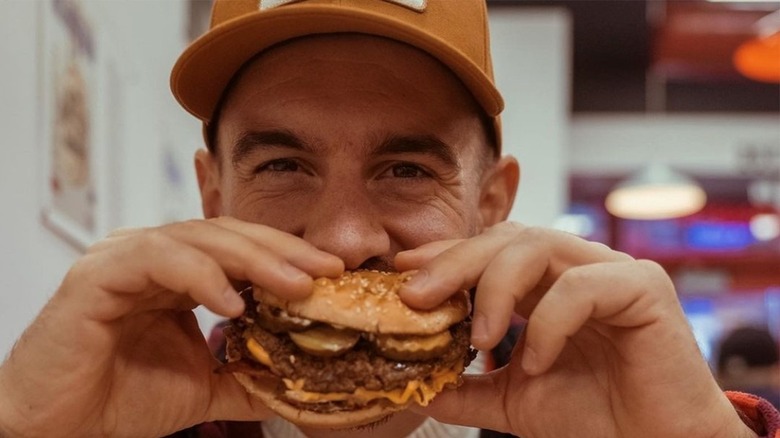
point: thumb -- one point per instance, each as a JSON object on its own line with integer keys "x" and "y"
{"x": 478, "y": 402}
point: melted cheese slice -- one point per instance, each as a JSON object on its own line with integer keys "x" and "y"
{"x": 259, "y": 353}
{"x": 420, "y": 391}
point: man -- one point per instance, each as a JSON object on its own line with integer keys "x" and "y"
{"x": 358, "y": 134}
{"x": 749, "y": 360}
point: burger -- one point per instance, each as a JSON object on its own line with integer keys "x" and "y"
{"x": 349, "y": 354}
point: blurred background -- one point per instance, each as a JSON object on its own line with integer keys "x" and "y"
{"x": 652, "y": 126}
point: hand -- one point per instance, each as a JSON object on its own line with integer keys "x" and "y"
{"x": 607, "y": 351}
{"x": 117, "y": 350}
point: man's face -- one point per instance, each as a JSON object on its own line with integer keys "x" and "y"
{"x": 360, "y": 145}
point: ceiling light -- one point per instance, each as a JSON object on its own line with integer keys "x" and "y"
{"x": 765, "y": 226}
{"x": 656, "y": 192}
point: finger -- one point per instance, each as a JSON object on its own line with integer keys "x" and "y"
{"x": 121, "y": 232}
{"x": 414, "y": 258}
{"x": 297, "y": 251}
{"x": 244, "y": 259}
{"x": 462, "y": 265}
{"x": 478, "y": 402}
{"x": 507, "y": 280}
{"x": 616, "y": 294}
{"x": 458, "y": 267}
{"x": 142, "y": 266}
{"x": 565, "y": 250}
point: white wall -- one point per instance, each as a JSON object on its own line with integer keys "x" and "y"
{"x": 532, "y": 59}
{"x": 32, "y": 260}
{"x": 144, "y": 38}
{"x": 706, "y": 144}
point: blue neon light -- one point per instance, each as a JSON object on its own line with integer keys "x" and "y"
{"x": 718, "y": 236}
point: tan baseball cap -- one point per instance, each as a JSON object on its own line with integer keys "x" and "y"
{"x": 453, "y": 31}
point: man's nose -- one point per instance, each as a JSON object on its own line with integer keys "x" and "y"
{"x": 345, "y": 223}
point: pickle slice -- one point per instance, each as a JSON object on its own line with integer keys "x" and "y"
{"x": 325, "y": 340}
{"x": 412, "y": 347}
{"x": 277, "y": 320}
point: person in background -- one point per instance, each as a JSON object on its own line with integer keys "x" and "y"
{"x": 749, "y": 361}
{"x": 361, "y": 134}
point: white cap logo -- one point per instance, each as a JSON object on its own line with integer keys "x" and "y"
{"x": 415, "y": 5}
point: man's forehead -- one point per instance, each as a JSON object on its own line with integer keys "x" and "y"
{"x": 361, "y": 76}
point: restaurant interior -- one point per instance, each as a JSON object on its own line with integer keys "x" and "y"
{"x": 681, "y": 59}
{"x": 652, "y": 126}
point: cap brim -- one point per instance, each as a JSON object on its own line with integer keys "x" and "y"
{"x": 204, "y": 70}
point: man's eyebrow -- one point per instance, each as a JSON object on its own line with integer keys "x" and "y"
{"x": 418, "y": 144}
{"x": 251, "y": 140}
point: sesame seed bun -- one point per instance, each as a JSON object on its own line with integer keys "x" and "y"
{"x": 368, "y": 301}
{"x": 265, "y": 390}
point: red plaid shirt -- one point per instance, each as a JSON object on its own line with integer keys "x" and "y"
{"x": 757, "y": 413}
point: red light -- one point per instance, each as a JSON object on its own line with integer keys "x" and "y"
{"x": 759, "y": 58}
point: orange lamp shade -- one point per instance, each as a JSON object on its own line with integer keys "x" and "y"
{"x": 759, "y": 58}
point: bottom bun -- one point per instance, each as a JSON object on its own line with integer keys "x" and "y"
{"x": 265, "y": 390}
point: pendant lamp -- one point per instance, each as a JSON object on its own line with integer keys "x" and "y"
{"x": 656, "y": 192}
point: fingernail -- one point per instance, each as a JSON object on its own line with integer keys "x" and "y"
{"x": 234, "y": 304}
{"x": 293, "y": 273}
{"x": 479, "y": 330}
{"x": 417, "y": 282}
{"x": 404, "y": 252}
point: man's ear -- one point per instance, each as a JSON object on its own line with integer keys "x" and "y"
{"x": 207, "y": 169}
{"x": 499, "y": 188}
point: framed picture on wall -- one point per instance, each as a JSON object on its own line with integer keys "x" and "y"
{"x": 70, "y": 121}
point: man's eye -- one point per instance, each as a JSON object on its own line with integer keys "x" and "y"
{"x": 406, "y": 170}
{"x": 282, "y": 165}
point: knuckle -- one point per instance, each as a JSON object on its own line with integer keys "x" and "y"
{"x": 180, "y": 230}
{"x": 222, "y": 220}
{"x": 534, "y": 238}
{"x": 651, "y": 268}
{"x": 188, "y": 226}
{"x": 219, "y": 220}
{"x": 619, "y": 256}
{"x": 576, "y": 276}
{"x": 655, "y": 274}
{"x": 121, "y": 232}
{"x": 101, "y": 245}
{"x": 81, "y": 269}
{"x": 86, "y": 271}
{"x": 624, "y": 256}
{"x": 152, "y": 241}
{"x": 508, "y": 228}
{"x": 532, "y": 233}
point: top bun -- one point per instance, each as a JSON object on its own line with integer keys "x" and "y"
{"x": 368, "y": 301}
